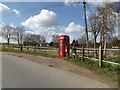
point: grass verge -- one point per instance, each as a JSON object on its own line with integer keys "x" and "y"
{"x": 108, "y": 70}
{"x": 42, "y": 53}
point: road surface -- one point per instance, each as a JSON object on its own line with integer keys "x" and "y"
{"x": 21, "y": 73}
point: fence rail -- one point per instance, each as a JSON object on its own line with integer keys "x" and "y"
{"x": 95, "y": 59}
{"x": 53, "y": 51}
{"x": 99, "y": 53}
{"x": 98, "y": 49}
{"x": 29, "y": 47}
{"x": 39, "y": 50}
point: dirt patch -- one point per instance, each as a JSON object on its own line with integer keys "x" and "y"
{"x": 19, "y": 56}
{"x": 64, "y": 65}
{"x": 50, "y": 65}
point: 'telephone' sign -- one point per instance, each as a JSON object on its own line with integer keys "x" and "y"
{"x": 61, "y": 38}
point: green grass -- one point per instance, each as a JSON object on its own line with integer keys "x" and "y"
{"x": 112, "y": 59}
{"x": 109, "y": 70}
{"x": 39, "y": 52}
{"x": 7, "y": 44}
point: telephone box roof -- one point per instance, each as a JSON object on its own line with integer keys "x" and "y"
{"x": 64, "y": 36}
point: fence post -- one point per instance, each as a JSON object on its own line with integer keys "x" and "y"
{"x": 3, "y": 47}
{"x": 34, "y": 48}
{"x": 100, "y": 56}
{"x": 27, "y": 48}
{"x": 83, "y": 54}
{"x": 12, "y": 47}
{"x": 21, "y": 48}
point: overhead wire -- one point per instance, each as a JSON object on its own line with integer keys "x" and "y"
{"x": 88, "y": 7}
{"x": 44, "y": 7}
{"x": 28, "y": 11}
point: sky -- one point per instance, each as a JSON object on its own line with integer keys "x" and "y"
{"x": 46, "y": 18}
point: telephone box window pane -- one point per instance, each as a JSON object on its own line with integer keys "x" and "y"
{"x": 60, "y": 47}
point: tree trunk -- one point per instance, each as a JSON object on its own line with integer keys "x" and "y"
{"x": 18, "y": 42}
{"x": 8, "y": 41}
{"x": 105, "y": 44}
{"x": 101, "y": 39}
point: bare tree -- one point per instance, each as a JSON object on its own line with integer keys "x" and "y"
{"x": 19, "y": 33}
{"x": 7, "y": 33}
{"x": 107, "y": 17}
{"x": 34, "y": 39}
{"x": 82, "y": 41}
{"x": 55, "y": 40}
{"x": 42, "y": 38}
{"x": 95, "y": 24}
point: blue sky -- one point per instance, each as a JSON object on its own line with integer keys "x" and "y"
{"x": 66, "y": 14}
{"x": 66, "y": 19}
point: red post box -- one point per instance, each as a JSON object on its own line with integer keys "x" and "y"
{"x": 63, "y": 46}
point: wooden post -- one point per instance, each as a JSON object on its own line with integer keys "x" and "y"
{"x": 27, "y": 48}
{"x": 3, "y": 47}
{"x": 34, "y": 48}
{"x": 83, "y": 54}
{"x": 86, "y": 27}
{"x": 12, "y": 47}
{"x": 21, "y": 48}
{"x": 100, "y": 56}
{"x": 74, "y": 56}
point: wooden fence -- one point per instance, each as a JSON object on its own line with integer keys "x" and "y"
{"x": 81, "y": 52}
{"x": 36, "y": 49}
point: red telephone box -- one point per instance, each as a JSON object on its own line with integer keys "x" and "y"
{"x": 63, "y": 46}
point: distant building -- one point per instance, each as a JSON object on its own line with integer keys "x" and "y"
{"x": 44, "y": 44}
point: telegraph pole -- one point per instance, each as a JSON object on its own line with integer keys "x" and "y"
{"x": 86, "y": 28}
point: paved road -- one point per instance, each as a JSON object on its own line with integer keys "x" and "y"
{"x": 21, "y": 73}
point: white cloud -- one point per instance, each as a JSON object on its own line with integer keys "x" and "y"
{"x": 72, "y": 1}
{"x": 44, "y": 23}
{"x": 102, "y": 1}
{"x": 29, "y": 32}
{"x": 93, "y": 2}
{"x": 1, "y": 24}
{"x": 74, "y": 28}
{"x": 1, "y": 39}
{"x": 117, "y": 26}
{"x": 74, "y": 31}
{"x": 87, "y": 14}
{"x": 68, "y": 2}
{"x": 44, "y": 19}
{"x": 3, "y": 7}
{"x": 16, "y": 11}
